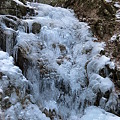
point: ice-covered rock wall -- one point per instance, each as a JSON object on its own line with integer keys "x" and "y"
{"x": 15, "y": 98}
{"x": 65, "y": 67}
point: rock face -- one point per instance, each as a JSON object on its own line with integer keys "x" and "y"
{"x": 15, "y": 97}
{"x": 11, "y": 7}
{"x": 36, "y": 28}
{"x": 41, "y": 1}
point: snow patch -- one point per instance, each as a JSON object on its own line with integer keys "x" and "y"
{"x": 95, "y": 113}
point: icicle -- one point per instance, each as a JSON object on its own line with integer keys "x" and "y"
{"x": 9, "y": 41}
{"x": 15, "y": 53}
{"x": 16, "y": 9}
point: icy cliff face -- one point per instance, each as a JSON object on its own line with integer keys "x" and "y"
{"x": 64, "y": 66}
{"x": 15, "y": 98}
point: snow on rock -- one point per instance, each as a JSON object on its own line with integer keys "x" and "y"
{"x": 108, "y": 0}
{"x": 99, "y": 83}
{"x": 113, "y": 38}
{"x": 97, "y": 63}
{"x": 13, "y": 72}
{"x": 9, "y": 71}
{"x": 1, "y": 91}
{"x": 14, "y": 89}
{"x": 117, "y": 4}
{"x": 32, "y": 112}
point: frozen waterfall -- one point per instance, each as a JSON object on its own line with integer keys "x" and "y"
{"x": 67, "y": 74}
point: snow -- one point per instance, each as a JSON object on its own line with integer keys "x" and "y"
{"x": 32, "y": 112}
{"x": 8, "y": 69}
{"x": 18, "y": 2}
{"x": 3, "y": 55}
{"x": 97, "y": 63}
{"x": 12, "y": 75}
{"x": 97, "y": 82}
{"x": 95, "y": 113}
{"x": 51, "y": 105}
{"x": 118, "y": 15}
{"x": 117, "y": 4}
{"x": 1, "y": 91}
{"x": 113, "y": 38}
{"x": 6, "y": 98}
{"x": 108, "y": 1}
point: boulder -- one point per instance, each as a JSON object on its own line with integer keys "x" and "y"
{"x": 36, "y": 28}
{"x": 13, "y": 8}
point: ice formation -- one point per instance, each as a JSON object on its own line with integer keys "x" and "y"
{"x": 65, "y": 69}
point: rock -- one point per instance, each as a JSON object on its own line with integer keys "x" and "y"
{"x": 110, "y": 8}
{"x": 20, "y": 59}
{"x": 59, "y": 61}
{"x": 118, "y": 83}
{"x": 36, "y": 28}
{"x": 51, "y": 114}
{"x": 6, "y": 103}
{"x": 119, "y": 95}
{"x": 62, "y": 49}
{"x": 13, "y": 8}
{"x": 10, "y": 22}
{"x": 1, "y": 94}
{"x": 23, "y": 1}
{"x": 41, "y": 1}
{"x": 1, "y": 74}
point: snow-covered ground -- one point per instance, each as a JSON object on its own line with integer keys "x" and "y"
{"x": 74, "y": 62}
